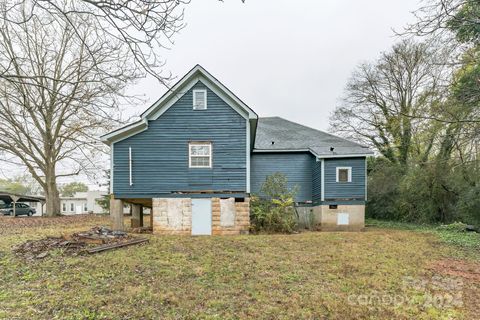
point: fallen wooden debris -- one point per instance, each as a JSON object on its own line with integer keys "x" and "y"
{"x": 39, "y": 249}
{"x": 96, "y": 239}
{"x": 42, "y": 255}
{"x": 117, "y": 245}
{"x": 90, "y": 239}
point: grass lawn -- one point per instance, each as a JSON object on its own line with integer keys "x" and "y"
{"x": 387, "y": 272}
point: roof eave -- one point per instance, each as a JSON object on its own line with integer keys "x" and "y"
{"x": 279, "y": 150}
{"x": 346, "y": 155}
{"x": 196, "y": 71}
{"x": 124, "y": 132}
{"x": 152, "y": 111}
{"x": 320, "y": 156}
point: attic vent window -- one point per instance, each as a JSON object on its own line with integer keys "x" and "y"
{"x": 200, "y": 99}
{"x": 344, "y": 174}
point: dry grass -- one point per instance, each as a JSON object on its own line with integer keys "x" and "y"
{"x": 304, "y": 276}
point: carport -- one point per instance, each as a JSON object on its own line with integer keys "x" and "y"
{"x": 8, "y": 197}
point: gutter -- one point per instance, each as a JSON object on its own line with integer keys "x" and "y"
{"x": 319, "y": 156}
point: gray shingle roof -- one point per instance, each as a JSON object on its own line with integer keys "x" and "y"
{"x": 288, "y": 136}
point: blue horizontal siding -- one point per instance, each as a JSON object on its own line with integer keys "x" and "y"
{"x": 160, "y": 154}
{"x": 316, "y": 181}
{"x": 354, "y": 190}
{"x": 297, "y": 167}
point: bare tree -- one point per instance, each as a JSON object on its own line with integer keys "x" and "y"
{"x": 437, "y": 16}
{"x": 386, "y": 102}
{"x": 457, "y": 22}
{"x": 141, "y": 27}
{"x": 61, "y": 87}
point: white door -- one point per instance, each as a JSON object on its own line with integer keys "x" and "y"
{"x": 201, "y": 216}
{"x": 79, "y": 209}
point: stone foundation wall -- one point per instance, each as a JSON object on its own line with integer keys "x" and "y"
{"x": 230, "y": 217}
{"x": 174, "y": 216}
{"x": 328, "y": 219}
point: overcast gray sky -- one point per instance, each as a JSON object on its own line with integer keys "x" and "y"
{"x": 283, "y": 58}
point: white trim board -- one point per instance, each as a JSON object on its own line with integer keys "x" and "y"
{"x": 130, "y": 177}
{"x": 112, "y": 164}
{"x": 322, "y": 171}
{"x": 165, "y": 105}
{"x": 125, "y": 132}
{"x": 345, "y": 156}
{"x": 315, "y": 154}
{"x": 366, "y": 180}
{"x": 279, "y": 150}
{"x": 198, "y": 73}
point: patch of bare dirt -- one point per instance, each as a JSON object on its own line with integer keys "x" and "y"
{"x": 459, "y": 268}
{"x": 470, "y": 273}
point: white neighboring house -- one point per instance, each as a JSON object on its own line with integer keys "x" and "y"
{"x": 82, "y": 202}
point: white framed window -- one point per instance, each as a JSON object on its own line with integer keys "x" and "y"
{"x": 72, "y": 207}
{"x": 200, "y": 155}
{"x": 200, "y": 99}
{"x": 64, "y": 207}
{"x": 344, "y": 174}
{"x": 85, "y": 207}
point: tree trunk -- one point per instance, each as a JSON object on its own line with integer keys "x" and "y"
{"x": 51, "y": 194}
{"x": 52, "y": 201}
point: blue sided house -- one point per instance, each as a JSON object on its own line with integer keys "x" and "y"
{"x": 199, "y": 153}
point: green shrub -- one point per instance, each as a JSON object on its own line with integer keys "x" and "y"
{"x": 468, "y": 206}
{"x": 423, "y": 192}
{"x": 273, "y": 211}
{"x": 383, "y": 189}
{"x": 455, "y": 227}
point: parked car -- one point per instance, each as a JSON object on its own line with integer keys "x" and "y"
{"x": 20, "y": 209}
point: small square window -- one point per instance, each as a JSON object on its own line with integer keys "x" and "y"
{"x": 200, "y": 155}
{"x": 344, "y": 174}
{"x": 199, "y": 99}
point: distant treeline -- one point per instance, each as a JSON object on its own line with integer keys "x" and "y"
{"x": 418, "y": 106}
